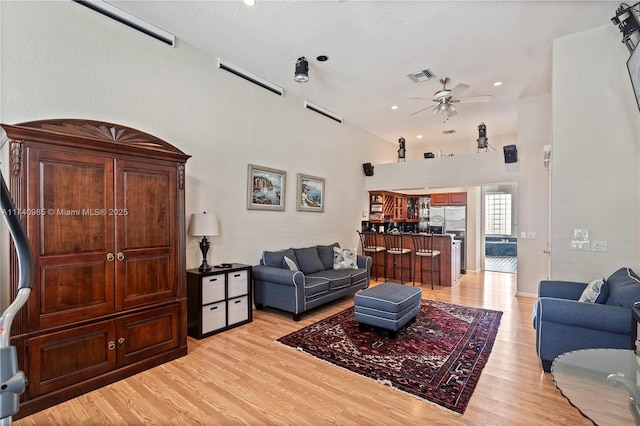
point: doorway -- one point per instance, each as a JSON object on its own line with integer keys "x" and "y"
{"x": 499, "y": 230}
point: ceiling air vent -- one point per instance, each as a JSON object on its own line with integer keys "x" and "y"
{"x": 420, "y": 76}
{"x": 448, "y": 132}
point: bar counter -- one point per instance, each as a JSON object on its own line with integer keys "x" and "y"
{"x": 449, "y": 261}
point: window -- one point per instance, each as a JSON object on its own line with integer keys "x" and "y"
{"x": 497, "y": 214}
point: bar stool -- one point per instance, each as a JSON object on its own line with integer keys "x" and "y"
{"x": 370, "y": 247}
{"x": 423, "y": 246}
{"x": 393, "y": 241}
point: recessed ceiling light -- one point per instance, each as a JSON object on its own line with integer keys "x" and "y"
{"x": 322, "y": 58}
{"x": 250, "y": 2}
{"x": 497, "y": 83}
{"x": 419, "y": 136}
{"x": 394, "y": 106}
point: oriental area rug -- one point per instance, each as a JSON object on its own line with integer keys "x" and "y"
{"x": 438, "y": 357}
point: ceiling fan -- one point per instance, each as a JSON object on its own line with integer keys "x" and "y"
{"x": 446, "y": 98}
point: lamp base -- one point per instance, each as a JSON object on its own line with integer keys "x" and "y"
{"x": 204, "y": 248}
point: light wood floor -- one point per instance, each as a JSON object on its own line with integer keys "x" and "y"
{"x": 243, "y": 376}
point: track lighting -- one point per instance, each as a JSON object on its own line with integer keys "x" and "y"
{"x": 302, "y": 70}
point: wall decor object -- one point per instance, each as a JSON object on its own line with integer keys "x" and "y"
{"x": 310, "y": 193}
{"x": 265, "y": 188}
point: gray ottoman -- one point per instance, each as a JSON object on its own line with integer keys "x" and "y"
{"x": 387, "y": 305}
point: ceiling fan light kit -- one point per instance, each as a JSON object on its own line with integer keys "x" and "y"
{"x": 444, "y": 99}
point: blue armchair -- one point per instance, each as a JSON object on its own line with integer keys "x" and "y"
{"x": 565, "y": 324}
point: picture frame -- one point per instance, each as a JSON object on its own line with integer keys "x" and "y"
{"x": 266, "y": 188}
{"x": 310, "y": 193}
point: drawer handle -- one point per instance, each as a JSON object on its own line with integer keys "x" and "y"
{"x": 213, "y": 279}
{"x": 238, "y": 301}
{"x": 111, "y": 345}
{"x": 236, "y": 275}
{"x": 213, "y": 307}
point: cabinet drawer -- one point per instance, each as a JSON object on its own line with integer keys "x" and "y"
{"x": 213, "y": 317}
{"x": 238, "y": 309}
{"x": 237, "y": 283}
{"x": 213, "y": 288}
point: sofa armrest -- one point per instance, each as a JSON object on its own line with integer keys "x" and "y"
{"x": 364, "y": 262}
{"x": 561, "y": 289}
{"x": 278, "y": 275}
{"x": 608, "y": 318}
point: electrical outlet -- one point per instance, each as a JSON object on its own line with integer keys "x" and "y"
{"x": 531, "y": 235}
{"x": 523, "y": 235}
{"x": 600, "y": 246}
{"x": 579, "y": 245}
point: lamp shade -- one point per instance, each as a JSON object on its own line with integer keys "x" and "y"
{"x": 203, "y": 224}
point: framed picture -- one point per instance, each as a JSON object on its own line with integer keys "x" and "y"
{"x": 311, "y": 193}
{"x": 265, "y": 188}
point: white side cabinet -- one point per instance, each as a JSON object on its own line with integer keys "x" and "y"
{"x": 218, "y": 299}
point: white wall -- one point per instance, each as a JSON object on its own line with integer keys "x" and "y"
{"x": 596, "y": 139}
{"x": 59, "y": 59}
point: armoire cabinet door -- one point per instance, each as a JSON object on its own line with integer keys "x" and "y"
{"x": 146, "y": 226}
{"x": 71, "y": 235}
{"x": 58, "y": 360}
{"x": 148, "y": 333}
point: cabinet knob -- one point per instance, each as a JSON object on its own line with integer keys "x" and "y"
{"x": 110, "y": 257}
{"x": 120, "y": 255}
{"x": 121, "y": 340}
{"x": 112, "y": 345}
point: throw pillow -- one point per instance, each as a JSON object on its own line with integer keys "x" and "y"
{"x": 288, "y": 263}
{"x": 344, "y": 258}
{"x": 624, "y": 288}
{"x": 592, "y": 291}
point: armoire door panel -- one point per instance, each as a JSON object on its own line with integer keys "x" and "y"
{"x": 70, "y": 237}
{"x": 145, "y": 278}
{"x": 66, "y": 291}
{"x": 58, "y": 360}
{"x": 147, "y": 333}
{"x": 148, "y": 198}
{"x": 75, "y": 195}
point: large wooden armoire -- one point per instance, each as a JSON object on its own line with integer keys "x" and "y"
{"x": 103, "y": 206}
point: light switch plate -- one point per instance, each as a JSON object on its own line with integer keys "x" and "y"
{"x": 600, "y": 246}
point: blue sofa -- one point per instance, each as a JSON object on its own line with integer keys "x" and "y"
{"x": 306, "y": 278}
{"x": 565, "y": 324}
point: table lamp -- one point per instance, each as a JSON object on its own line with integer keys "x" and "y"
{"x": 203, "y": 224}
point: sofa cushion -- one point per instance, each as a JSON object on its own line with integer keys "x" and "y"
{"x": 308, "y": 260}
{"x": 337, "y": 278}
{"x": 624, "y": 288}
{"x": 289, "y": 264}
{"x": 315, "y": 286}
{"x": 276, "y": 258}
{"x": 326, "y": 255}
{"x": 344, "y": 258}
{"x": 592, "y": 291}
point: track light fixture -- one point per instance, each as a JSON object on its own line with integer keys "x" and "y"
{"x": 401, "y": 150}
{"x": 302, "y": 70}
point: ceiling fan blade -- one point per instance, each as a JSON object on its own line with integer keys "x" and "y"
{"x": 420, "y": 99}
{"x": 475, "y": 99}
{"x": 421, "y": 109}
{"x": 461, "y": 87}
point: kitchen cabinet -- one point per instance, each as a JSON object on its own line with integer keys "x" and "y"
{"x": 449, "y": 199}
{"x": 413, "y": 209}
{"x": 106, "y": 226}
{"x": 399, "y": 208}
{"x": 381, "y": 206}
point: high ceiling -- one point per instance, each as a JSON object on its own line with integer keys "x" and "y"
{"x": 373, "y": 45}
